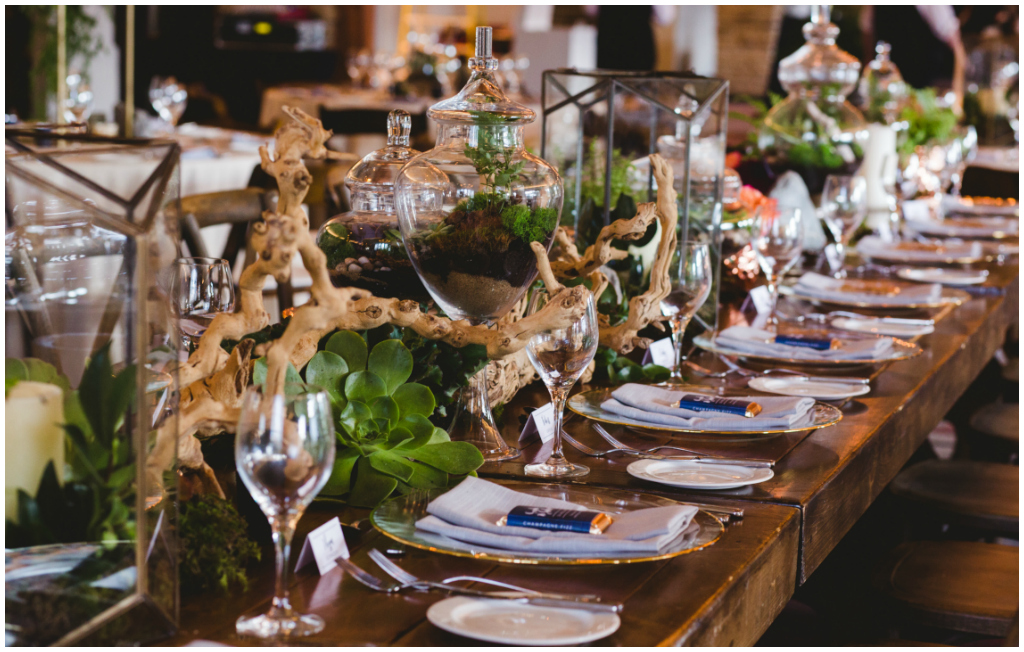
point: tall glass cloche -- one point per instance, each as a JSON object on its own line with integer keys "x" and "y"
{"x": 364, "y": 246}
{"x": 816, "y": 130}
{"x": 882, "y": 91}
{"x": 470, "y": 208}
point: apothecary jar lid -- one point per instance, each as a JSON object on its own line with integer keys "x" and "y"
{"x": 371, "y": 181}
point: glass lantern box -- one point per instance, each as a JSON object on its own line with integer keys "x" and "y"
{"x": 91, "y": 228}
{"x": 600, "y": 126}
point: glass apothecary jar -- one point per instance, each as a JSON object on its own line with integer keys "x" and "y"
{"x": 364, "y": 246}
{"x": 470, "y": 208}
{"x": 470, "y": 211}
{"x": 92, "y": 228}
{"x": 815, "y": 130}
{"x": 882, "y": 91}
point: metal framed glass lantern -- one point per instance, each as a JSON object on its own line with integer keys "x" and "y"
{"x": 91, "y": 226}
{"x": 600, "y": 126}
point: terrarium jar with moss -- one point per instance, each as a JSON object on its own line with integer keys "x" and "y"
{"x": 470, "y": 208}
{"x": 815, "y": 130}
{"x": 364, "y": 246}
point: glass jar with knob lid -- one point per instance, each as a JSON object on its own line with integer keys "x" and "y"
{"x": 364, "y": 246}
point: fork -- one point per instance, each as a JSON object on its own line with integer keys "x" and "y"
{"x": 750, "y": 373}
{"x": 607, "y": 436}
{"x": 644, "y": 455}
{"x": 406, "y": 579}
{"x": 367, "y": 580}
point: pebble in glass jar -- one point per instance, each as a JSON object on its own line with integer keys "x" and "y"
{"x": 364, "y": 246}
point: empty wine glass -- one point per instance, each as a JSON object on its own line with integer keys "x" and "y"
{"x": 844, "y": 206}
{"x": 168, "y": 98}
{"x": 778, "y": 242}
{"x": 691, "y": 285}
{"x": 560, "y": 356}
{"x": 78, "y": 103}
{"x": 284, "y": 452}
{"x": 201, "y": 288}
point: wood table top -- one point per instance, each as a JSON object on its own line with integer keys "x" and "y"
{"x": 791, "y": 522}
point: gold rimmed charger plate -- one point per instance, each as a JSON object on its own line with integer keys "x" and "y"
{"x": 902, "y": 351}
{"x": 396, "y": 518}
{"x": 949, "y": 296}
{"x": 588, "y": 404}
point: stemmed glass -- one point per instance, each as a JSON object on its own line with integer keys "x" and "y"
{"x": 560, "y": 356}
{"x": 844, "y": 207}
{"x": 168, "y": 98}
{"x": 691, "y": 284}
{"x": 78, "y": 103}
{"x": 284, "y": 452}
{"x": 201, "y": 288}
{"x": 778, "y": 242}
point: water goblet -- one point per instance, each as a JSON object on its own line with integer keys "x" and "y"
{"x": 691, "y": 285}
{"x": 201, "y": 288}
{"x": 168, "y": 98}
{"x": 78, "y": 103}
{"x": 284, "y": 453}
{"x": 560, "y": 356}
{"x": 844, "y": 207}
{"x": 778, "y": 243}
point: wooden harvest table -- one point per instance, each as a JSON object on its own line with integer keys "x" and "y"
{"x": 725, "y": 594}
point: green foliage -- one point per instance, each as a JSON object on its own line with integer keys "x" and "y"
{"x": 94, "y": 504}
{"x": 386, "y": 441}
{"x": 531, "y": 226}
{"x": 336, "y": 244}
{"x": 214, "y": 545}
{"x": 616, "y": 369}
{"x": 926, "y": 122}
{"x": 592, "y": 182}
{"x": 493, "y": 155}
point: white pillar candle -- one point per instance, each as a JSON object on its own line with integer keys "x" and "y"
{"x": 33, "y": 436}
{"x": 879, "y": 166}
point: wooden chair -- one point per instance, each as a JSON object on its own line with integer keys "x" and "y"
{"x": 962, "y": 586}
{"x": 972, "y": 494}
{"x": 1000, "y": 420}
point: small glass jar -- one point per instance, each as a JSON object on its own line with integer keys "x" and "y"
{"x": 882, "y": 91}
{"x": 471, "y": 207}
{"x": 815, "y": 130}
{"x": 364, "y": 246}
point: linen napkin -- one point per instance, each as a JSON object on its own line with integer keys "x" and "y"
{"x": 873, "y": 246}
{"x": 966, "y": 206}
{"x": 745, "y": 339}
{"x": 659, "y": 405}
{"x": 967, "y": 227}
{"x": 825, "y": 287}
{"x": 470, "y": 513}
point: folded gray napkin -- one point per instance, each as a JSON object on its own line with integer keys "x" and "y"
{"x": 873, "y": 246}
{"x": 745, "y": 339}
{"x": 658, "y": 405}
{"x": 825, "y": 287}
{"x": 975, "y": 227}
{"x": 470, "y": 513}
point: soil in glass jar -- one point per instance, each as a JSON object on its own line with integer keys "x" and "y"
{"x": 370, "y": 255}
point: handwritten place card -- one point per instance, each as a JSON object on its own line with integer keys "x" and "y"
{"x": 541, "y": 422}
{"x": 762, "y": 299}
{"x": 324, "y": 544}
{"x": 662, "y": 353}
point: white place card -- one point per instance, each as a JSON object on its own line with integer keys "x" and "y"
{"x": 762, "y": 299}
{"x": 540, "y": 422}
{"x": 324, "y": 544}
{"x": 661, "y": 352}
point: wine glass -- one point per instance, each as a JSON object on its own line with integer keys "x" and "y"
{"x": 168, "y": 98}
{"x": 284, "y": 453}
{"x": 78, "y": 103}
{"x": 560, "y": 355}
{"x": 691, "y": 285}
{"x": 201, "y": 288}
{"x": 778, "y": 242}
{"x": 844, "y": 207}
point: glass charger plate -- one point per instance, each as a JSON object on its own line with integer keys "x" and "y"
{"x": 901, "y": 351}
{"x": 396, "y": 518}
{"x": 588, "y": 404}
{"x": 949, "y": 296}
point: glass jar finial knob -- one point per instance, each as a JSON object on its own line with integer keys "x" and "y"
{"x": 482, "y": 59}
{"x": 399, "y": 128}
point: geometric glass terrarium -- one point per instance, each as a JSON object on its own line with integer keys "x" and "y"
{"x": 91, "y": 230}
{"x": 598, "y": 129}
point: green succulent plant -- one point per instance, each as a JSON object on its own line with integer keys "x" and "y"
{"x": 386, "y": 442}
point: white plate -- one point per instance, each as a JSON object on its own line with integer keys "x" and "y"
{"x": 944, "y": 275}
{"x": 827, "y": 391}
{"x": 879, "y": 327}
{"x": 694, "y": 475}
{"x": 511, "y": 623}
